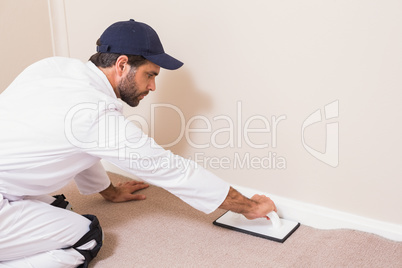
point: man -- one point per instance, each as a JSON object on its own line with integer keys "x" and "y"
{"x": 53, "y": 119}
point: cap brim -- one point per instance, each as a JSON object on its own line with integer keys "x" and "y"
{"x": 165, "y": 61}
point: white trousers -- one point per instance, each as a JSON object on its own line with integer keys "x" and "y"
{"x": 34, "y": 233}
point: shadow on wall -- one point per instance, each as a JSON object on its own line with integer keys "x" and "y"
{"x": 177, "y": 100}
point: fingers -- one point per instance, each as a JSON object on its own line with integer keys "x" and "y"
{"x": 134, "y": 197}
{"x": 266, "y": 205}
{"x": 126, "y": 191}
{"x": 137, "y": 187}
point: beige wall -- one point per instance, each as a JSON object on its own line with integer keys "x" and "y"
{"x": 277, "y": 59}
{"x": 25, "y": 36}
{"x": 262, "y": 62}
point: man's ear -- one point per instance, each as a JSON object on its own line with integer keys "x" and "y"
{"x": 122, "y": 66}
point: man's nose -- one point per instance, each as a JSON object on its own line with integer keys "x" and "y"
{"x": 151, "y": 85}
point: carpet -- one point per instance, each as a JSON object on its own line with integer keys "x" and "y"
{"x": 163, "y": 231}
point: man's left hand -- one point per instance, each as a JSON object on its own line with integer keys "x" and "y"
{"x": 124, "y": 191}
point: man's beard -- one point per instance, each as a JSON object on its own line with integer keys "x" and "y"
{"x": 128, "y": 89}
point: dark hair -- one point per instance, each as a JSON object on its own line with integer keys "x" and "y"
{"x": 105, "y": 60}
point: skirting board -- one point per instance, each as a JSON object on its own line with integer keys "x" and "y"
{"x": 325, "y": 218}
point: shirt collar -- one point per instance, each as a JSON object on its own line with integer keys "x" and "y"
{"x": 109, "y": 87}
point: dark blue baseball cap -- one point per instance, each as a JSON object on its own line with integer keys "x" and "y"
{"x": 136, "y": 38}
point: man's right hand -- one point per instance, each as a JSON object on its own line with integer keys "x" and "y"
{"x": 264, "y": 205}
{"x": 256, "y": 207}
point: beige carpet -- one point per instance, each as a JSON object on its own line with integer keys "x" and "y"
{"x": 162, "y": 231}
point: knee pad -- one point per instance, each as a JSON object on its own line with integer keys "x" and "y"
{"x": 61, "y": 202}
{"x": 94, "y": 233}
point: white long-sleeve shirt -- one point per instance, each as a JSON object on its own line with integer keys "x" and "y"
{"x": 60, "y": 116}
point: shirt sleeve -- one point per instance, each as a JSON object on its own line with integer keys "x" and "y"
{"x": 92, "y": 180}
{"x": 123, "y": 144}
